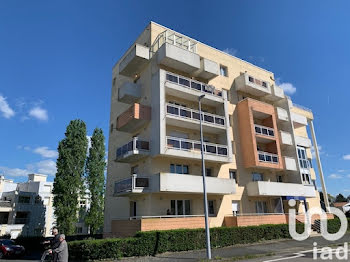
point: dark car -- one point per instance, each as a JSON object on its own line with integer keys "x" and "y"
{"x": 8, "y": 248}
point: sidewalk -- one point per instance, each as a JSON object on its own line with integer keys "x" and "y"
{"x": 262, "y": 248}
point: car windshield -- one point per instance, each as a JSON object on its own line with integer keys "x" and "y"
{"x": 8, "y": 242}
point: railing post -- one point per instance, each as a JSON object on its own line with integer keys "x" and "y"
{"x": 134, "y": 141}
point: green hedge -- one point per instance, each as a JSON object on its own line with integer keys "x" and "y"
{"x": 333, "y": 225}
{"x": 154, "y": 242}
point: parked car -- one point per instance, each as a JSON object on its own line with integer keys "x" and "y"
{"x": 346, "y": 208}
{"x": 8, "y": 248}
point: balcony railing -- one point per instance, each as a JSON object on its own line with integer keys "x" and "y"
{"x": 131, "y": 184}
{"x": 257, "y": 81}
{"x": 192, "y": 84}
{"x": 188, "y": 145}
{"x": 267, "y": 157}
{"x": 264, "y": 130}
{"x": 135, "y": 144}
{"x": 175, "y": 39}
{"x": 189, "y": 113}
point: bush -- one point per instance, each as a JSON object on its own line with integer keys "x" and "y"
{"x": 154, "y": 242}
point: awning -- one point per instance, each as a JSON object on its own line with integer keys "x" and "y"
{"x": 300, "y": 198}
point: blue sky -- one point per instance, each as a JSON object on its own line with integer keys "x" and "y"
{"x": 56, "y": 59}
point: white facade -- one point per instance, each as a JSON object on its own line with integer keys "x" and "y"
{"x": 27, "y": 208}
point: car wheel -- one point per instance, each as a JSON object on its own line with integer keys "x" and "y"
{"x": 1, "y": 255}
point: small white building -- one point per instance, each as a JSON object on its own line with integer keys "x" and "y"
{"x": 27, "y": 208}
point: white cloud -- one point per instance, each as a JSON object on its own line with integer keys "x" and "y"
{"x": 47, "y": 167}
{"x": 5, "y": 109}
{"x": 39, "y": 113}
{"x": 346, "y": 157}
{"x": 313, "y": 153}
{"x": 288, "y": 88}
{"x": 44, "y": 151}
{"x": 335, "y": 176}
{"x": 89, "y": 141}
{"x": 14, "y": 172}
{"x": 231, "y": 51}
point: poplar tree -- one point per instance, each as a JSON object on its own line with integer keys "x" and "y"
{"x": 68, "y": 183}
{"x": 95, "y": 180}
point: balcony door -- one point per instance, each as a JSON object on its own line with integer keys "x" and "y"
{"x": 180, "y": 207}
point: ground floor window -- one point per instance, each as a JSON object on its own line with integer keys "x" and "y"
{"x": 211, "y": 207}
{"x": 179, "y": 169}
{"x": 261, "y": 207}
{"x": 307, "y": 179}
{"x": 180, "y": 207}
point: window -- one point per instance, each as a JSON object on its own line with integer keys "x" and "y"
{"x": 38, "y": 200}
{"x": 211, "y": 207}
{"x": 279, "y": 179}
{"x": 257, "y": 177}
{"x": 179, "y": 169}
{"x": 79, "y": 230}
{"x": 306, "y": 179}
{"x": 233, "y": 174}
{"x": 261, "y": 207}
{"x": 223, "y": 71}
{"x": 303, "y": 161}
{"x": 180, "y": 207}
{"x": 208, "y": 172}
{"x": 24, "y": 199}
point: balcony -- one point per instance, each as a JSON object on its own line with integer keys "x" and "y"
{"x": 193, "y": 89}
{"x": 176, "y": 51}
{"x": 303, "y": 141}
{"x": 133, "y": 184}
{"x": 264, "y": 131}
{"x": 290, "y": 163}
{"x": 178, "y": 183}
{"x": 266, "y": 188}
{"x": 135, "y": 61}
{"x": 189, "y": 118}
{"x": 267, "y": 157}
{"x": 135, "y": 150}
{"x": 277, "y": 93}
{"x": 299, "y": 120}
{"x": 282, "y": 114}
{"x": 209, "y": 69}
{"x": 253, "y": 86}
{"x": 134, "y": 118}
{"x": 286, "y": 138}
{"x": 185, "y": 148}
{"x": 129, "y": 93}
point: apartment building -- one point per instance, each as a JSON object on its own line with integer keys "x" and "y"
{"x": 256, "y": 144}
{"x": 27, "y": 208}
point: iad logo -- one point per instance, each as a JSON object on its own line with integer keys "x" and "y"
{"x": 323, "y": 219}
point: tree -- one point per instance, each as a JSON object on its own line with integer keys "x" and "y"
{"x": 340, "y": 198}
{"x": 95, "y": 179}
{"x": 68, "y": 183}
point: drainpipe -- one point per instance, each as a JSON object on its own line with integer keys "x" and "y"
{"x": 319, "y": 165}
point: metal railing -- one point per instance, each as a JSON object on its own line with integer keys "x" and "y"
{"x": 264, "y": 130}
{"x": 134, "y": 144}
{"x": 175, "y": 39}
{"x": 188, "y": 145}
{"x": 185, "y": 112}
{"x": 192, "y": 84}
{"x": 257, "y": 82}
{"x": 267, "y": 157}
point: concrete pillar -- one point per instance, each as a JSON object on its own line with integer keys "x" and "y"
{"x": 319, "y": 165}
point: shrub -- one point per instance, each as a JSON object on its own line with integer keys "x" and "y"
{"x": 154, "y": 242}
